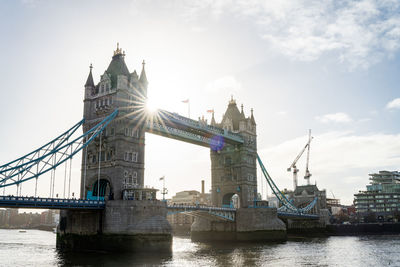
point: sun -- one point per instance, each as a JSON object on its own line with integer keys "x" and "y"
{"x": 151, "y": 105}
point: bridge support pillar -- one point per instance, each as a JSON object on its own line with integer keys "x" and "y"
{"x": 204, "y": 229}
{"x": 124, "y": 225}
{"x": 252, "y": 224}
{"x": 309, "y": 227}
{"x": 259, "y": 224}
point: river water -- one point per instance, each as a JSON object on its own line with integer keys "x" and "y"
{"x": 37, "y": 248}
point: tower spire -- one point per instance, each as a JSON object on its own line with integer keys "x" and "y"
{"x": 253, "y": 121}
{"x": 143, "y": 78}
{"x": 118, "y": 51}
{"x": 213, "y": 123}
{"x": 89, "y": 81}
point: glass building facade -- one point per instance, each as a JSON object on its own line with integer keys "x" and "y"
{"x": 382, "y": 197}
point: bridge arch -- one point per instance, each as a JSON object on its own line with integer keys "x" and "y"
{"x": 102, "y": 189}
{"x": 231, "y": 200}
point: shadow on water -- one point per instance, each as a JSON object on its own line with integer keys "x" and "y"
{"x": 99, "y": 258}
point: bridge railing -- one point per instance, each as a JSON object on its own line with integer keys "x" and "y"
{"x": 200, "y": 126}
{"x": 200, "y": 207}
{"x": 38, "y": 202}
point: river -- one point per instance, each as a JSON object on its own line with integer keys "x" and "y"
{"x": 37, "y": 248}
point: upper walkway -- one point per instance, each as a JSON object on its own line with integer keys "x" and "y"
{"x": 178, "y": 127}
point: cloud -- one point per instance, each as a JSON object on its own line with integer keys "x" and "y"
{"x": 227, "y": 84}
{"x": 338, "y": 117}
{"x": 198, "y": 29}
{"x": 394, "y": 104}
{"x": 361, "y": 33}
{"x": 339, "y": 161}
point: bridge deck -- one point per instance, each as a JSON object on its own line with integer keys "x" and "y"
{"x": 59, "y": 203}
{"x": 50, "y": 203}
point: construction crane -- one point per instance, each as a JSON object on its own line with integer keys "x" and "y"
{"x": 308, "y": 174}
{"x": 293, "y": 165}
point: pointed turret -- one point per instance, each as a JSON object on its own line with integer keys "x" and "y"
{"x": 233, "y": 114}
{"x": 242, "y": 112}
{"x": 117, "y": 66}
{"x": 89, "y": 81}
{"x": 143, "y": 78}
{"x": 213, "y": 123}
{"x": 253, "y": 121}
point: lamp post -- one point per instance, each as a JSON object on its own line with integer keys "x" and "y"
{"x": 164, "y": 190}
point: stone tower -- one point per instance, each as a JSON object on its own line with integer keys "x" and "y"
{"x": 113, "y": 164}
{"x": 233, "y": 168}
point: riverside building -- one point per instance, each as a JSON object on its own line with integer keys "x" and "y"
{"x": 381, "y": 200}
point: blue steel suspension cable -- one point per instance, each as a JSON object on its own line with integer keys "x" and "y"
{"x": 66, "y": 135}
{"x": 94, "y": 131}
{"x": 280, "y": 196}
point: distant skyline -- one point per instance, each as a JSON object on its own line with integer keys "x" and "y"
{"x": 329, "y": 66}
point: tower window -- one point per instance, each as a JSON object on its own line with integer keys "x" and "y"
{"x": 109, "y": 154}
{"x": 135, "y": 156}
{"x": 131, "y": 156}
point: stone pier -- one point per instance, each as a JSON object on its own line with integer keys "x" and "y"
{"x": 124, "y": 225}
{"x": 309, "y": 227}
{"x": 252, "y": 224}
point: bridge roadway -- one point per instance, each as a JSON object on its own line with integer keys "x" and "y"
{"x": 227, "y": 214}
{"x": 50, "y": 203}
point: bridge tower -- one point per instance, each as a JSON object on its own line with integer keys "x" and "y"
{"x": 114, "y": 163}
{"x": 233, "y": 168}
{"x": 113, "y": 169}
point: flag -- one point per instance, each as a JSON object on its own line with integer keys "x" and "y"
{"x": 210, "y": 110}
{"x": 162, "y": 178}
{"x": 185, "y": 101}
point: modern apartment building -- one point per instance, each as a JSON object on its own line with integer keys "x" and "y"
{"x": 381, "y": 199}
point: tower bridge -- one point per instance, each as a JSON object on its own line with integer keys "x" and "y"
{"x": 116, "y": 210}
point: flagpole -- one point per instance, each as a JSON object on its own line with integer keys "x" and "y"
{"x": 163, "y": 191}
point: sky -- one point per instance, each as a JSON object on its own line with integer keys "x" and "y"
{"x": 330, "y": 66}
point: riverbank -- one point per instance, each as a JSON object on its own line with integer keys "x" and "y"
{"x": 383, "y": 228}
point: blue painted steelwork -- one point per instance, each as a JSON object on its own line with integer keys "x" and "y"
{"x": 287, "y": 205}
{"x": 90, "y": 196}
{"x": 173, "y": 132}
{"x": 28, "y": 158}
{"x": 182, "y": 127}
{"x": 45, "y": 158}
{"x": 50, "y": 203}
{"x": 228, "y": 214}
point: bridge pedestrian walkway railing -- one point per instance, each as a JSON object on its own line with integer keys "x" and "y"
{"x": 203, "y": 127}
{"x": 227, "y": 214}
{"x": 50, "y": 203}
